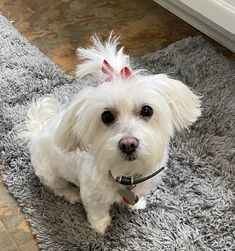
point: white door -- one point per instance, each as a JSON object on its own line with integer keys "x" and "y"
{"x": 215, "y": 18}
{"x": 221, "y": 12}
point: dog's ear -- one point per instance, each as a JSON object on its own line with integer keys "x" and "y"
{"x": 183, "y": 103}
{"x": 76, "y": 128}
{"x": 65, "y": 136}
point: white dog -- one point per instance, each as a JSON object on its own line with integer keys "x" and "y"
{"x": 121, "y": 127}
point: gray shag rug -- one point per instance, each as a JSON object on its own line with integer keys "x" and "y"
{"x": 193, "y": 208}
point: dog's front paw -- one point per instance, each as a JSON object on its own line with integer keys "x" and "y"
{"x": 141, "y": 204}
{"x": 101, "y": 224}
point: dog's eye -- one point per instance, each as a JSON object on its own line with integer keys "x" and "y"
{"x": 146, "y": 111}
{"x": 107, "y": 117}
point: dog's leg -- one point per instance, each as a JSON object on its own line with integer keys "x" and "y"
{"x": 62, "y": 188}
{"x": 97, "y": 211}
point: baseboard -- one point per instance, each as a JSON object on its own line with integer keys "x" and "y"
{"x": 200, "y": 22}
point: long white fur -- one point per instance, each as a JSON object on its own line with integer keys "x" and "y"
{"x": 94, "y": 56}
{"x": 73, "y": 145}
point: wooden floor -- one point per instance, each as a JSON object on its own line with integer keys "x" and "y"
{"x": 57, "y": 28}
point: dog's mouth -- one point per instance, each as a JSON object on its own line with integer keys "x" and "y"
{"x": 129, "y": 157}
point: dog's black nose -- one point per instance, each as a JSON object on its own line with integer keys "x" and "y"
{"x": 128, "y": 145}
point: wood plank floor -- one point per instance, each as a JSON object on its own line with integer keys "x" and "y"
{"x": 57, "y": 28}
{"x": 15, "y": 232}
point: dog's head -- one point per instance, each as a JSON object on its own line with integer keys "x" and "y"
{"x": 127, "y": 121}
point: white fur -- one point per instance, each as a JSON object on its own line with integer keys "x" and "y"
{"x": 73, "y": 145}
{"x": 94, "y": 57}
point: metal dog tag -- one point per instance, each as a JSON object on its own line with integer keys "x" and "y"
{"x": 128, "y": 196}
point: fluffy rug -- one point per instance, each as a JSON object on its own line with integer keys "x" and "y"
{"x": 193, "y": 208}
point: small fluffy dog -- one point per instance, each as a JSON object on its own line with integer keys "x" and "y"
{"x": 111, "y": 136}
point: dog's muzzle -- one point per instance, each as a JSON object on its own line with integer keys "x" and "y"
{"x": 128, "y": 146}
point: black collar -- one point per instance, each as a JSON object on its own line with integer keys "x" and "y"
{"x": 130, "y": 181}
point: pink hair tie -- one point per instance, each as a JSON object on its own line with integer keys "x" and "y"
{"x": 107, "y": 69}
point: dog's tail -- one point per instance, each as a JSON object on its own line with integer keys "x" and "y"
{"x": 94, "y": 57}
{"x": 38, "y": 115}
